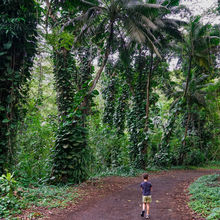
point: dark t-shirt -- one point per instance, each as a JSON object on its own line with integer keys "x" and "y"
{"x": 146, "y": 188}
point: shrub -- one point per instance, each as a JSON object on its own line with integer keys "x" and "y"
{"x": 14, "y": 197}
{"x": 9, "y": 200}
{"x": 195, "y": 157}
{"x": 205, "y": 196}
{"x": 162, "y": 159}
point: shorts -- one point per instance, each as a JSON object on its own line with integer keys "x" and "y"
{"x": 146, "y": 199}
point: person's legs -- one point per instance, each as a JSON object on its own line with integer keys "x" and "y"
{"x": 148, "y": 208}
{"x": 143, "y": 210}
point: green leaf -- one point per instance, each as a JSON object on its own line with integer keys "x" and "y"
{"x": 2, "y": 108}
{"x": 95, "y": 92}
{"x": 3, "y": 53}
{"x": 5, "y": 120}
{"x": 7, "y": 45}
{"x": 65, "y": 146}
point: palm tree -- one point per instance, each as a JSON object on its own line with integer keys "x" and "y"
{"x": 198, "y": 45}
{"x": 195, "y": 53}
{"x": 106, "y": 20}
{"x": 196, "y": 100}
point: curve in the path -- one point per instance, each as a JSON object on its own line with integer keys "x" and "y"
{"x": 126, "y": 204}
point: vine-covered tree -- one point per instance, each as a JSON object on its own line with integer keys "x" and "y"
{"x": 18, "y": 32}
{"x": 72, "y": 70}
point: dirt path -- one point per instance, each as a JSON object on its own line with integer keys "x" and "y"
{"x": 169, "y": 200}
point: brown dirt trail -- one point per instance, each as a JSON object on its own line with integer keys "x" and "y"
{"x": 169, "y": 197}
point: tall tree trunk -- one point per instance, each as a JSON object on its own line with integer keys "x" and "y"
{"x": 186, "y": 128}
{"x": 70, "y": 159}
{"x": 72, "y": 154}
{"x": 105, "y": 58}
{"x": 183, "y": 153}
{"x": 148, "y": 92}
{"x": 188, "y": 113}
{"x": 188, "y": 76}
{"x": 98, "y": 74}
{"x": 144, "y": 150}
{"x": 40, "y": 80}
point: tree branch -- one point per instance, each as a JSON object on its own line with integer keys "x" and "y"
{"x": 49, "y": 12}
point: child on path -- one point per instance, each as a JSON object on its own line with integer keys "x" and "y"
{"x": 146, "y": 195}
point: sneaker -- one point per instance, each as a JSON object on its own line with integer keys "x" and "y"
{"x": 147, "y": 216}
{"x": 142, "y": 214}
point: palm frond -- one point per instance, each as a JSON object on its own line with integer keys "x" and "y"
{"x": 153, "y": 47}
{"x": 201, "y": 78}
{"x": 89, "y": 2}
{"x": 149, "y": 23}
{"x": 159, "y": 22}
{"x": 205, "y": 85}
{"x": 136, "y": 33}
{"x": 199, "y": 99}
{"x": 170, "y": 3}
{"x": 134, "y": 4}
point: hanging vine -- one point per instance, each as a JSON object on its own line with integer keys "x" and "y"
{"x": 110, "y": 93}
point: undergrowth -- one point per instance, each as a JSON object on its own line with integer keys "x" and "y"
{"x": 205, "y": 197}
{"x": 129, "y": 171}
{"x": 124, "y": 171}
{"x": 14, "y": 197}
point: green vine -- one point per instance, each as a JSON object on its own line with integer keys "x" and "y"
{"x": 18, "y": 32}
{"x": 71, "y": 154}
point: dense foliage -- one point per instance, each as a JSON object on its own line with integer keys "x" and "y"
{"x": 15, "y": 197}
{"x": 18, "y": 34}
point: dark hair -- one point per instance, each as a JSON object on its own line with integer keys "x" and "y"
{"x": 145, "y": 176}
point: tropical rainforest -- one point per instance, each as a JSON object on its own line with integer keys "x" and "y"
{"x": 90, "y": 86}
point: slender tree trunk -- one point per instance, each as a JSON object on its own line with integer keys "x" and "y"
{"x": 144, "y": 151}
{"x": 107, "y": 52}
{"x": 188, "y": 111}
{"x": 148, "y": 92}
{"x": 40, "y": 80}
{"x": 98, "y": 75}
{"x": 182, "y": 155}
{"x": 188, "y": 76}
{"x": 186, "y": 128}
